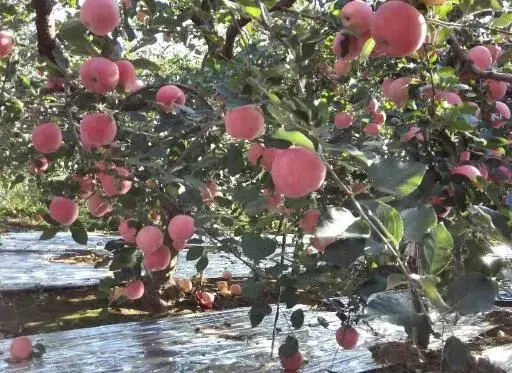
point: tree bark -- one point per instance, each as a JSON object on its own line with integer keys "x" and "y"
{"x": 45, "y": 28}
{"x": 235, "y": 28}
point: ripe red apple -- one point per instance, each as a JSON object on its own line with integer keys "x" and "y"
{"x": 181, "y": 228}
{"x": 38, "y": 166}
{"x": 63, "y": 210}
{"x": 226, "y": 275}
{"x": 373, "y": 106}
{"x": 86, "y": 185}
{"x": 503, "y": 110}
{"x": 379, "y": 118}
{"x": 47, "y": 138}
{"x": 398, "y": 29}
{"x": 357, "y": 16}
{"x": 465, "y": 156}
{"x": 126, "y": 232}
{"x": 97, "y": 130}
{"x": 343, "y": 120}
{"x": 209, "y": 193}
{"x": 297, "y": 172}
{"x": 399, "y": 91}
{"x": 347, "y": 337}
{"x": 205, "y": 299}
{"x": 185, "y": 285}
{"x": 254, "y": 154}
{"x": 99, "y": 75}
{"x": 127, "y": 74}
{"x": 291, "y": 364}
{"x": 309, "y": 220}
{"x": 386, "y": 87}
{"x": 348, "y": 47}
{"x": 222, "y": 286}
{"x": 245, "y": 122}
{"x": 116, "y": 184}
{"x": 371, "y": 129}
{"x": 21, "y": 348}
{"x": 100, "y": 16}
{"x": 134, "y": 290}
{"x": 157, "y": 260}
{"x": 274, "y": 199}
{"x": 481, "y": 57}
{"x": 55, "y": 84}
{"x": 98, "y": 206}
{"x": 502, "y": 114}
{"x": 149, "y": 239}
{"x": 6, "y": 45}
{"x": 267, "y": 159}
{"x": 496, "y": 52}
{"x": 168, "y": 96}
{"x": 413, "y": 133}
{"x": 236, "y": 290}
{"x": 496, "y": 90}
{"x": 142, "y": 16}
{"x": 342, "y": 67}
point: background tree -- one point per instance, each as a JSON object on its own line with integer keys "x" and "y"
{"x": 386, "y": 146}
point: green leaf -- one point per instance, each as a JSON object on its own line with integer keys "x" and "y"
{"x": 289, "y": 348}
{"x": 194, "y": 252}
{"x": 295, "y": 137}
{"x": 290, "y": 297}
{"x": 429, "y": 285}
{"x": 253, "y": 11}
{"x": 256, "y": 247}
{"x": 336, "y": 221}
{"x": 503, "y": 21}
{"x": 344, "y": 252}
{"x": 471, "y": 293}
{"x": 235, "y": 159}
{"x": 145, "y": 64}
{"x": 496, "y": 142}
{"x": 202, "y": 263}
{"x": 251, "y": 289}
{"x": 367, "y": 49}
{"x": 17, "y": 180}
{"x": 418, "y": 221}
{"x": 48, "y": 233}
{"x": 436, "y": 250}
{"x": 297, "y": 318}
{"x": 394, "y": 308}
{"x": 389, "y": 217}
{"x": 79, "y": 233}
{"x": 396, "y": 177}
{"x": 456, "y": 355}
{"x": 258, "y": 312}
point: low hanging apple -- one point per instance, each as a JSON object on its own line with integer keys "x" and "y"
{"x": 149, "y": 239}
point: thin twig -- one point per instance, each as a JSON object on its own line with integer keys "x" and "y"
{"x": 275, "y": 323}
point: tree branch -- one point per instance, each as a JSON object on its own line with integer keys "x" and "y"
{"x": 203, "y": 20}
{"x": 236, "y": 26}
{"x": 45, "y": 27}
{"x": 467, "y": 64}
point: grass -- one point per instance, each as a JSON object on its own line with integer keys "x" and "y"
{"x": 21, "y": 204}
